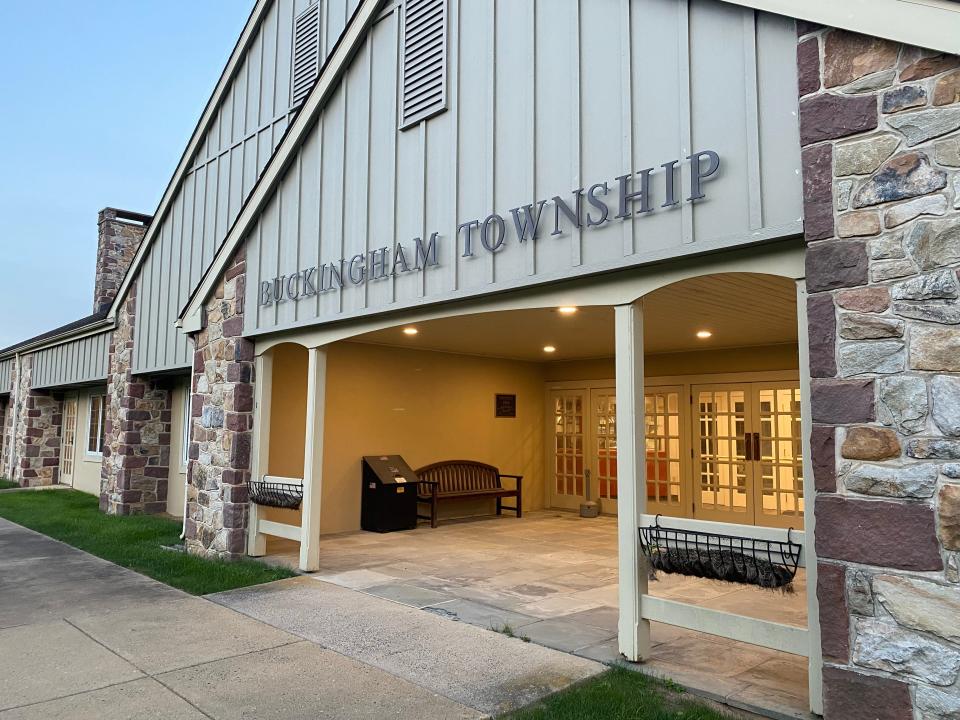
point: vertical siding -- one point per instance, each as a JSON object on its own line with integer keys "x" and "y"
{"x": 545, "y": 96}
{"x": 248, "y": 125}
{"x": 76, "y": 361}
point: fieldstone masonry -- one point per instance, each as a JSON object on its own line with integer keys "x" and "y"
{"x": 36, "y": 432}
{"x": 120, "y": 233}
{"x": 136, "y": 452}
{"x": 221, "y": 425}
{"x": 880, "y": 129}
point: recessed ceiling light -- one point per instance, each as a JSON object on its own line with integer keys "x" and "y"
{"x": 567, "y": 310}
{"x": 549, "y": 348}
{"x": 410, "y": 331}
{"x": 704, "y": 334}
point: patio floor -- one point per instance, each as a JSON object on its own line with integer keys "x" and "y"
{"x": 552, "y": 577}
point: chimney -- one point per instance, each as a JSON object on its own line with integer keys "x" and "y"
{"x": 120, "y": 234}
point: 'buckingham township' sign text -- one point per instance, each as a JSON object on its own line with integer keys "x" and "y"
{"x": 587, "y": 207}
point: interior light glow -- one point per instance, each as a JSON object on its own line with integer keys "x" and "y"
{"x": 704, "y": 334}
{"x": 549, "y": 348}
{"x": 410, "y": 331}
{"x": 567, "y": 310}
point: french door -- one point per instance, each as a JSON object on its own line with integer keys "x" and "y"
{"x": 68, "y": 442}
{"x": 728, "y": 452}
{"x": 567, "y": 415}
{"x": 747, "y": 459}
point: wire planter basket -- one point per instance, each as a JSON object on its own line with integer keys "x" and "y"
{"x": 276, "y": 494}
{"x": 766, "y": 563}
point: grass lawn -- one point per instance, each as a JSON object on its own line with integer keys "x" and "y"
{"x": 619, "y": 694}
{"x": 134, "y": 542}
{"x": 7, "y": 484}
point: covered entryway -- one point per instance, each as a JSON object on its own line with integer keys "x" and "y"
{"x": 684, "y": 395}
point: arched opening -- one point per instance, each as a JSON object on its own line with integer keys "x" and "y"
{"x": 534, "y": 392}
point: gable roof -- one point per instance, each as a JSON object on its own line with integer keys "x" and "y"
{"x": 932, "y": 24}
{"x": 327, "y": 80}
{"x": 199, "y": 133}
{"x": 97, "y": 321}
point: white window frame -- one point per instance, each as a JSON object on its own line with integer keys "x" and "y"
{"x": 185, "y": 430}
{"x": 101, "y": 421}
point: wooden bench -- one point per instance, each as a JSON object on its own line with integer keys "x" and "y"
{"x": 464, "y": 480}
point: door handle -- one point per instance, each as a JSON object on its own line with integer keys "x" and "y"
{"x": 756, "y": 446}
{"x": 747, "y": 447}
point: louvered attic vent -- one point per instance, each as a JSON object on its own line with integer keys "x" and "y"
{"x": 306, "y": 53}
{"x": 424, "y": 60}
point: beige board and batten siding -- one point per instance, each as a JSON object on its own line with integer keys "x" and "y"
{"x": 249, "y": 122}
{"x": 6, "y": 375}
{"x": 544, "y": 96}
{"x": 83, "y": 360}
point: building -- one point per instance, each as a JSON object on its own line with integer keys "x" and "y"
{"x": 708, "y": 250}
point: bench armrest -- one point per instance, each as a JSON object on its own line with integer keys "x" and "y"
{"x": 518, "y": 478}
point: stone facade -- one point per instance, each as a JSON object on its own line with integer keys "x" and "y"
{"x": 221, "y": 424}
{"x": 120, "y": 233}
{"x": 36, "y": 431}
{"x": 880, "y": 128}
{"x": 136, "y": 452}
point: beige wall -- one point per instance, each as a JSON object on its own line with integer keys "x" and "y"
{"x": 426, "y": 406}
{"x": 430, "y": 406}
{"x": 177, "y": 476}
{"x": 702, "y": 362}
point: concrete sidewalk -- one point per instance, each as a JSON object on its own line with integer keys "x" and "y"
{"x": 83, "y": 638}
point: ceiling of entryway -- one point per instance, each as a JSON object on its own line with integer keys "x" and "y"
{"x": 740, "y": 309}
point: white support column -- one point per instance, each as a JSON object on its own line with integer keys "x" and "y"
{"x": 634, "y": 631}
{"x": 263, "y": 389}
{"x": 815, "y": 664}
{"x": 313, "y": 461}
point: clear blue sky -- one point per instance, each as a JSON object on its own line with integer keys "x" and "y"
{"x": 97, "y": 102}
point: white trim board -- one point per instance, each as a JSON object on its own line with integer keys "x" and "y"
{"x": 933, "y": 24}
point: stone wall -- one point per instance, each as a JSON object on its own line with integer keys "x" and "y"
{"x": 221, "y": 425}
{"x": 36, "y": 431}
{"x": 880, "y": 128}
{"x": 136, "y": 452}
{"x": 120, "y": 233}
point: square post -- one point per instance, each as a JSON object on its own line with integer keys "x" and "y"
{"x": 634, "y": 631}
{"x": 260, "y": 460}
{"x": 815, "y": 658}
{"x": 313, "y": 461}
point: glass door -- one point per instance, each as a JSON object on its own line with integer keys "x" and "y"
{"x": 68, "y": 441}
{"x": 779, "y": 491}
{"x": 747, "y": 457}
{"x": 664, "y": 437}
{"x": 568, "y": 410}
{"x": 603, "y": 485}
{"x": 723, "y": 477}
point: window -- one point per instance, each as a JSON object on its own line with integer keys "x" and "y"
{"x": 95, "y": 426}
{"x": 423, "y": 80}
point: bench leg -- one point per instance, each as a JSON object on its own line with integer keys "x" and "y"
{"x": 499, "y": 506}
{"x": 433, "y": 508}
{"x": 519, "y": 503}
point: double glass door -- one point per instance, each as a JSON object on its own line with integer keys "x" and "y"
{"x": 724, "y": 452}
{"x": 747, "y": 461}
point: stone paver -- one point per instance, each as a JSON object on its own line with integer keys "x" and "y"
{"x": 552, "y": 577}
